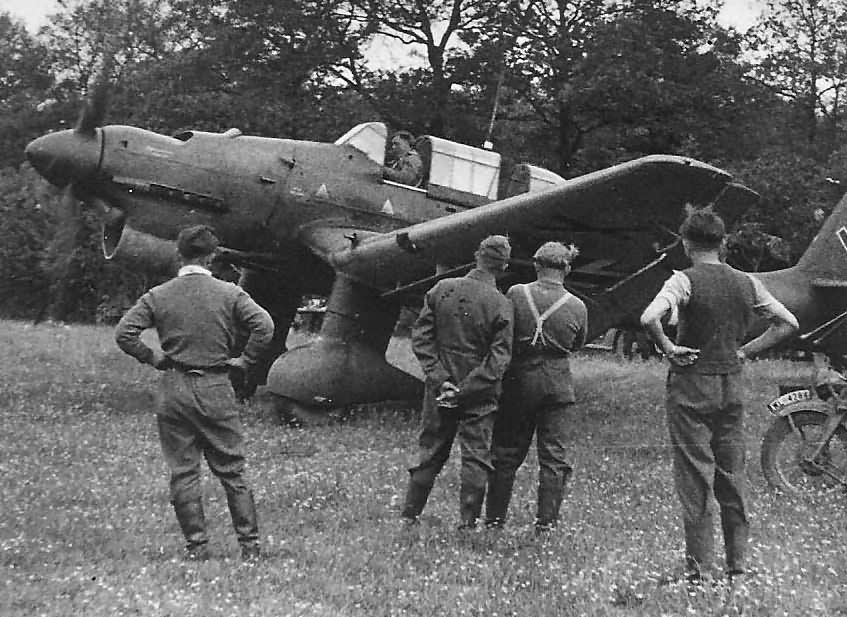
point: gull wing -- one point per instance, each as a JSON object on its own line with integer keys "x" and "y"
{"x": 630, "y": 211}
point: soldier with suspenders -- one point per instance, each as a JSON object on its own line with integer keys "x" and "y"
{"x": 538, "y": 389}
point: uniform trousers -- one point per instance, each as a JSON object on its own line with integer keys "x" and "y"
{"x": 473, "y": 424}
{"x": 198, "y": 417}
{"x": 537, "y": 395}
{"x": 706, "y": 424}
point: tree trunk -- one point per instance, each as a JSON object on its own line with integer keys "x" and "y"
{"x": 570, "y": 136}
{"x": 440, "y": 92}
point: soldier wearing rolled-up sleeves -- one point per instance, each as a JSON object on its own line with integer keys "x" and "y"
{"x": 705, "y": 411}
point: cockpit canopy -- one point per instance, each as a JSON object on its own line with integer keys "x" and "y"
{"x": 453, "y": 171}
{"x": 368, "y": 137}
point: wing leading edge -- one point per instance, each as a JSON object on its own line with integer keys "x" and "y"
{"x": 647, "y": 193}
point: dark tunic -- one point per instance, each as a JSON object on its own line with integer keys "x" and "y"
{"x": 407, "y": 169}
{"x": 463, "y": 335}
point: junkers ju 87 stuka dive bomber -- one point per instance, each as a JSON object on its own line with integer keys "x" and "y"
{"x": 301, "y": 217}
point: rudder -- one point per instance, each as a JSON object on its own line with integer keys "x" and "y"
{"x": 826, "y": 256}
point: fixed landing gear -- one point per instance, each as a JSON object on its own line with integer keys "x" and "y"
{"x": 296, "y": 413}
{"x": 345, "y": 364}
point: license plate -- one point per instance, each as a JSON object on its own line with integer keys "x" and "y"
{"x": 789, "y": 398}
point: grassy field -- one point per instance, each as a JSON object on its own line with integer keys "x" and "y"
{"x": 86, "y": 527}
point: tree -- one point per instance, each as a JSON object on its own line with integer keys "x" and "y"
{"x": 24, "y": 231}
{"x": 24, "y": 82}
{"x": 86, "y": 31}
{"x": 609, "y": 80}
{"x": 796, "y": 195}
{"x": 265, "y": 67}
{"x": 801, "y": 53}
{"x": 546, "y": 63}
{"x": 443, "y": 29}
{"x": 660, "y": 79}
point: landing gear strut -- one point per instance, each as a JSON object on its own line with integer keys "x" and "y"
{"x": 346, "y": 363}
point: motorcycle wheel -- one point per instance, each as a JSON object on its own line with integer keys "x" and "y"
{"x": 783, "y": 452}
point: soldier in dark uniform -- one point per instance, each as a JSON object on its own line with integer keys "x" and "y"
{"x": 406, "y": 166}
{"x": 463, "y": 340}
{"x": 550, "y": 323}
{"x": 716, "y": 305}
{"x": 197, "y": 318}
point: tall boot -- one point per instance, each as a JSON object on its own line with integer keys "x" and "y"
{"x": 735, "y": 531}
{"x": 242, "y": 509}
{"x": 416, "y": 497}
{"x": 192, "y": 521}
{"x": 498, "y": 497}
{"x": 551, "y": 492}
{"x": 471, "y": 497}
{"x": 699, "y": 544}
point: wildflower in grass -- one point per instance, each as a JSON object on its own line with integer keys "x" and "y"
{"x": 52, "y": 537}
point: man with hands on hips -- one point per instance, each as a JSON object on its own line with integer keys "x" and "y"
{"x": 197, "y": 318}
{"x": 716, "y": 305}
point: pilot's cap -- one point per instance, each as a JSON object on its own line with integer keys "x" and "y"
{"x": 495, "y": 249}
{"x": 196, "y": 241}
{"x": 555, "y": 255}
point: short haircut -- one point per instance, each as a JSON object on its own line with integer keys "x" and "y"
{"x": 405, "y": 136}
{"x": 555, "y": 255}
{"x": 703, "y": 227}
{"x": 196, "y": 241}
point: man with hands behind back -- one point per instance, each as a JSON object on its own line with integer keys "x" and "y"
{"x": 463, "y": 340}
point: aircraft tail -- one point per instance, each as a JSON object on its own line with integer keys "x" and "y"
{"x": 826, "y": 257}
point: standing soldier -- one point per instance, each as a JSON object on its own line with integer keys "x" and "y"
{"x": 716, "y": 306}
{"x": 550, "y": 323}
{"x": 463, "y": 340}
{"x": 197, "y": 317}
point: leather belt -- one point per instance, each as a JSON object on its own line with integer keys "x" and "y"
{"x": 198, "y": 370}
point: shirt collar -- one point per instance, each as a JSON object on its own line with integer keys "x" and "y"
{"x": 481, "y": 275}
{"x": 548, "y": 283}
{"x": 193, "y": 269}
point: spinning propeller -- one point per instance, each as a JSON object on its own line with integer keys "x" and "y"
{"x": 70, "y": 160}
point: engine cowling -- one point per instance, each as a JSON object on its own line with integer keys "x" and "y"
{"x": 146, "y": 251}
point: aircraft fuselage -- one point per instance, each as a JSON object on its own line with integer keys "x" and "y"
{"x": 257, "y": 192}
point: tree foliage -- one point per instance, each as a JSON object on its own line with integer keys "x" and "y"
{"x": 571, "y": 85}
{"x": 801, "y": 51}
{"x": 441, "y": 30}
{"x": 24, "y": 80}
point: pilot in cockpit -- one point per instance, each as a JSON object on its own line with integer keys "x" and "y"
{"x": 404, "y": 164}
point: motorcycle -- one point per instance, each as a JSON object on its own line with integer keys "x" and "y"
{"x": 804, "y": 451}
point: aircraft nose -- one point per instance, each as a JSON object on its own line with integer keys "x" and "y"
{"x": 66, "y": 156}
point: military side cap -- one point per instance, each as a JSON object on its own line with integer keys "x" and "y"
{"x": 196, "y": 241}
{"x": 495, "y": 248}
{"x": 555, "y": 255}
